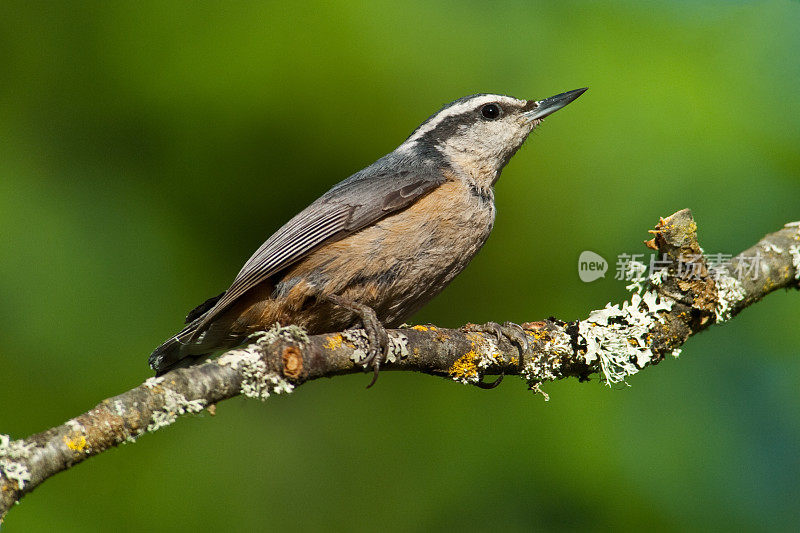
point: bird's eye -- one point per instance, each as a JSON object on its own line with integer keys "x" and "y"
{"x": 491, "y": 111}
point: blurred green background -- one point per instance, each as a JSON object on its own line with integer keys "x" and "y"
{"x": 147, "y": 149}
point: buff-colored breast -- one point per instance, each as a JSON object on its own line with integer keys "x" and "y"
{"x": 394, "y": 266}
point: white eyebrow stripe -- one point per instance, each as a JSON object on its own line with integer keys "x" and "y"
{"x": 454, "y": 110}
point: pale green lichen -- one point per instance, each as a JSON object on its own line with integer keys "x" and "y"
{"x": 119, "y": 408}
{"x": 175, "y": 405}
{"x": 289, "y": 333}
{"x": 634, "y": 272}
{"x": 257, "y": 381}
{"x": 12, "y": 455}
{"x": 729, "y": 293}
{"x": 557, "y": 347}
{"x": 260, "y": 340}
{"x": 640, "y": 283}
{"x": 619, "y": 338}
{"x": 794, "y": 251}
{"x": 152, "y": 383}
{"x": 358, "y": 338}
{"x": 488, "y": 351}
{"x": 75, "y": 426}
{"x": 397, "y": 349}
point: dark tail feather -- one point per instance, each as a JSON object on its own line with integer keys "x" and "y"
{"x": 179, "y": 350}
{"x": 186, "y": 361}
{"x": 175, "y": 352}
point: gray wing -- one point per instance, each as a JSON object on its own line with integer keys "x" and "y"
{"x": 349, "y": 206}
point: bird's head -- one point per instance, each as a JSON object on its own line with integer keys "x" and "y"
{"x": 480, "y": 133}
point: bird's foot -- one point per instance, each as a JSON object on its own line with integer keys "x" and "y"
{"x": 513, "y": 332}
{"x": 377, "y": 337}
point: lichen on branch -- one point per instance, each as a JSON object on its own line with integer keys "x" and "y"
{"x": 615, "y": 341}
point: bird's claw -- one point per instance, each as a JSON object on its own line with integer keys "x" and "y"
{"x": 377, "y": 337}
{"x": 484, "y": 385}
{"x": 516, "y": 334}
{"x": 513, "y": 332}
{"x": 378, "y": 346}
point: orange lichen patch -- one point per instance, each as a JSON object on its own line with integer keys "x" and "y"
{"x": 465, "y": 368}
{"x": 473, "y": 337}
{"x": 664, "y": 224}
{"x": 77, "y": 444}
{"x": 292, "y": 362}
{"x": 333, "y": 342}
{"x": 420, "y": 328}
{"x": 539, "y": 335}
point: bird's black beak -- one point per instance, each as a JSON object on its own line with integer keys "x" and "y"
{"x": 537, "y": 110}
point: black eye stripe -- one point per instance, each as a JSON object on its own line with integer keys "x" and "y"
{"x": 491, "y": 111}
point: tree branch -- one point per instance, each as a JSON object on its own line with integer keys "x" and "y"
{"x": 668, "y": 307}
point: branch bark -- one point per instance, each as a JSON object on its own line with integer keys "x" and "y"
{"x": 667, "y": 308}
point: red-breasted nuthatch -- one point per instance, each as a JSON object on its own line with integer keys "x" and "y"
{"x": 379, "y": 245}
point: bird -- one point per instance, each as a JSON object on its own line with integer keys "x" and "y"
{"x": 378, "y": 245}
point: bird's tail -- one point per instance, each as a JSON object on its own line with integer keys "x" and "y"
{"x": 183, "y": 349}
{"x": 177, "y": 351}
